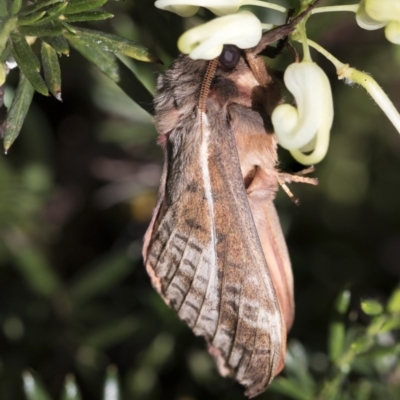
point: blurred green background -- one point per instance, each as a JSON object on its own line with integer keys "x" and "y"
{"x": 76, "y": 194}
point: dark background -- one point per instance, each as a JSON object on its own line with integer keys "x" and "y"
{"x": 76, "y": 195}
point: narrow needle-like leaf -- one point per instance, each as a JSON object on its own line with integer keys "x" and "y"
{"x": 18, "y": 110}
{"x": 51, "y": 68}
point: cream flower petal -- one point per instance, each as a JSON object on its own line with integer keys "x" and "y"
{"x": 321, "y": 146}
{"x": 365, "y": 21}
{"x": 392, "y": 32}
{"x": 296, "y": 128}
{"x": 383, "y": 10}
{"x": 187, "y": 8}
{"x": 206, "y": 41}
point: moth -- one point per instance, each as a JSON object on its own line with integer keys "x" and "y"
{"x": 214, "y": 249}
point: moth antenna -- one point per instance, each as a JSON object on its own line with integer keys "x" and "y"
{"x": 288, "y": 192}
{"x": 206, "y": 85}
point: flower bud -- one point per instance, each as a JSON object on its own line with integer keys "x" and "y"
{"x": 308, "y": 125}
{"x": 206, "y": 41}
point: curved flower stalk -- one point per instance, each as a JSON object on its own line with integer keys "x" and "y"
{"x": 308, "y": 126}
{"x": 375, "y": 14}
{"x": 206, "y": 41}
{"x": 188, "y": 8}
{"x": 351, "y": 75}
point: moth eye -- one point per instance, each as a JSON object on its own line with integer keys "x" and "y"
{"x": 230, "y": 56}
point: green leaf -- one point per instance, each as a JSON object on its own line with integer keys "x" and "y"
{"x": 17, "y": 111}
{"x": 51, "y": 69}
{"x": 2, "y": 74}
{"x": 69, "y": 28}
{"x": 32, "y": 264}
{"x": 111, "y": 386}
{"x": 71, "y": 390}
{"x": 114, "y": 43}
{"x": 6, "y": 28}
{"x": 78, "y": 6}
{"x": 331, "y": 389}
{"x": 363, "y": 390}
{"x": 15, "y": 6}
{"x": 3, "y": 8}
{"x": 376, "y": 325}
{"x": 289, "y": 388}
{"x": 160, "y": 350}
{"x": 296, "y": 367}
{"x": 105, "y": 61}
{"x": 113, "y": 332}
{"x": 371, "y": 307}
{"x": 59, "y": 43}
{"x": 362, "y": 344}
{"x": 24, "y": 51}
{"x": 33, "y": 389}
{"x": 134, "y": 88}
{"x": 117, "y": 71}
{"x": 101, "y": 276}
{"x": 42, "y": 30}
{"x": 52, "y": 13}
{"x": 27, "y": 62}
{"x": 393, "y": 305}
{"x": 31, "y": 18}
{"x": 38, "y": 6}
{"x": 336, "y": 340}
{"x": 343, "y": 302}
{"x": 391, "y": 324}
{"x": 88, "y": 16}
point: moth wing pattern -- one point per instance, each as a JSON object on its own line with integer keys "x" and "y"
{"x": 197, "y": 254}
{"x": 276, "y": 253}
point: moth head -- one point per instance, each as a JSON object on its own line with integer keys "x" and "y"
{"x": 242, "y": 77}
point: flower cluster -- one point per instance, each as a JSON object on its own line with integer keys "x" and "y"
{"x": 306, "y": 127}
{"x": 375, "y": 14}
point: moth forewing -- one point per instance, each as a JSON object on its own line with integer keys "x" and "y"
{"x": 209, "y": 249}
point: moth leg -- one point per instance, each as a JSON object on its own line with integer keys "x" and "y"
{"x": 306, "y": 171}
{"x": 292, "y": 197}
{"x": 284, "y": 179}
{"x": 298, "y": 177}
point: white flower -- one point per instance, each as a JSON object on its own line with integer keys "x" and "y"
{"x": 383, "y": 10}
{"x": 206, "y": 41}
{"x": 187, "y": 8}
{"x": 306, "y": 127}
{"x": 375, "y": 14}
{"x": 365, "y": 21}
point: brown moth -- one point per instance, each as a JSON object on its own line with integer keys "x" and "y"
{"x": 214, "y": 249}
